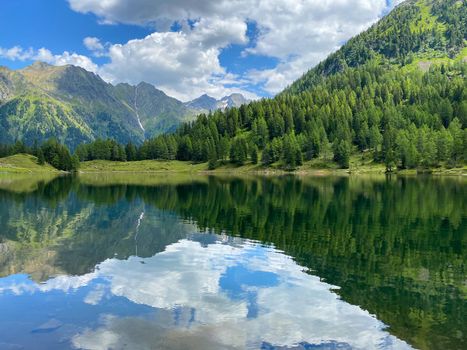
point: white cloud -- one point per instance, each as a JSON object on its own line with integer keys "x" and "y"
{"x": 186, "y": 64}
{"x": 94, "y": 45}
{"x": 19, "y": 54}
{"x": 299, "y": 33}
{"x": 16, "y": 53}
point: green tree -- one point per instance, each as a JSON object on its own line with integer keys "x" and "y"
{"x": 40, "y": 157}
{"x": 342, "y": 150}
{"x": 239, "y": 151}
{"x": 389, "y": 149}
{"x": 291, "y": 154}
{"x": 254, "y": 154}
{"x": 130, "y": 150}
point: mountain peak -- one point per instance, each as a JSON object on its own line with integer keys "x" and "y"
{"x": 39, "y": 65}
{"x": 208, "y": 103}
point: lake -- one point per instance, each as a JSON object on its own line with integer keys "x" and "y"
{"x": 179, "y": 262}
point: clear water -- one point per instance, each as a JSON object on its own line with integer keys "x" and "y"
{"x": 233, "y": 263}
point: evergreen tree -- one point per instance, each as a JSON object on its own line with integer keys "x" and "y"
{"x": 40, "y": 157}
{"x": 254, "y": 154}
{"x": 130, "y": 151}
{"x": 389, "y": 149}
{"x": 342, "y": 150}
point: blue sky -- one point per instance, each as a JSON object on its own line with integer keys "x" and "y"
{"x": 184, "y": 47}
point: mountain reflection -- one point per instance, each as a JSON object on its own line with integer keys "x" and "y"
{"x": 271, "y": 263}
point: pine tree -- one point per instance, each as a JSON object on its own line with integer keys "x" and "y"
{"x": 342, "y": 150}
{"x": 40, "y": 157}
{"x": 254, "y": 154}
{"x": 389, "y": 149}
{"x": 130, "y": 151}
{"x": 75, "y": 164}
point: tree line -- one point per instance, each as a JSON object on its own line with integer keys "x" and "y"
{"x": 51, "y": 152}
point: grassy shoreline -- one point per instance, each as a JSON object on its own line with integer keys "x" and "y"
{"x": 24, "y": 164}
{"x": 27, "y": 164}
{"x": 358, "y": 166}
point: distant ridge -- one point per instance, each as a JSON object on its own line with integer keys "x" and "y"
{"x": 206, "y": 103}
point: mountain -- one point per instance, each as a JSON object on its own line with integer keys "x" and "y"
{"x": 203, "y": 103}
{"x": 74, "y": 105}
{"x": 206, "y": 103}
{"x": 154, "y": 110}
{"x": 395, "y": 94}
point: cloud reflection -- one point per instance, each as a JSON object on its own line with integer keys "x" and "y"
{"x": 220, "y": 294}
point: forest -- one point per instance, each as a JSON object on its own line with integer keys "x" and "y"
{"x": 405, "y": 121}
{"x": 51, "y": 151}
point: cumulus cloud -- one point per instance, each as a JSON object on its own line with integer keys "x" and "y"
{"x": 94, "y": 45}
{"x": 16, "y": 53}
{"x": 184, "y": 64}
{"x": 44, "y": 55}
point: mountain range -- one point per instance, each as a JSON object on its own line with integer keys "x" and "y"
{"x": 206, "y": 103}
{"x": 73, "y": 105}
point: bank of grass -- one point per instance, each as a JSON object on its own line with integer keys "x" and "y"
{"x": 142, "y": 166}
{"x": 24, "y": 164}
{"x": 359, "y": 164}
{"x": 318, "y": 166}
{"x": 439, "y": 171}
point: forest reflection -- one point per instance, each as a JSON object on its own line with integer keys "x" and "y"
{"x": 394, "y": 245}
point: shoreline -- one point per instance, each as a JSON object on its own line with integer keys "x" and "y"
{"x": 26, "y": 165}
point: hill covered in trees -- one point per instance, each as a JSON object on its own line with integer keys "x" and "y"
{"x": 396, "y": 92}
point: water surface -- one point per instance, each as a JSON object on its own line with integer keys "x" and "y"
{"x": 233, "y": 263}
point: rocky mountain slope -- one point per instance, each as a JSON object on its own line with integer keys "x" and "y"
{"x": 206, "y": 103}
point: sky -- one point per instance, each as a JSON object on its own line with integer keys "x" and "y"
{"x": 184, "y": 47}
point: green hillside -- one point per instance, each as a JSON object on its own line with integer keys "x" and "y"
{"x": 416, "y": 31}
{"x": 396, "y": 93}
{"x": 147, "y": 101}
{"x": 75, "y": 106}
{"x": 24, "y": 164}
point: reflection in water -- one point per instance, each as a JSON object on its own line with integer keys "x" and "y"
{"x": 229, "y": 294}
{"x": 216, "y": 263}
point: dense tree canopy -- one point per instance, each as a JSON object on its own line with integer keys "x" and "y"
{"x": 396, "y": 91}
